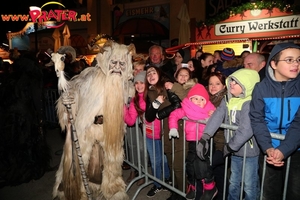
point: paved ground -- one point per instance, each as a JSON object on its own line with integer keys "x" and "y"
{"x": 42, "y": 189}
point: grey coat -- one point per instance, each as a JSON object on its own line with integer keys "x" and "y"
{"x": 239, "y": 137}
{"x": 235, "y": 111}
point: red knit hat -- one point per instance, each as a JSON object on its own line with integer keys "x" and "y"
{"x": 200, "y": 90}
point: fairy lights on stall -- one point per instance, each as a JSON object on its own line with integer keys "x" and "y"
{"x": 257, "y": 5}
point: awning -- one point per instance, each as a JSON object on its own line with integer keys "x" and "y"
{"x": 172, "y": 50}
{"x": 291, "y": 37}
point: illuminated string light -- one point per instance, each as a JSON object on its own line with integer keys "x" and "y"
{"x": 252, "y": 5}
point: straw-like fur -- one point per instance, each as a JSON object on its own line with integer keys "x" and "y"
{"x": 100, "y": 90}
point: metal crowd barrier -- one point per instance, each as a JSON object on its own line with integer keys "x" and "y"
{"x": 133, "y": 158}
{"x": 137, "y": 157}
{"x": 50, "y": 98}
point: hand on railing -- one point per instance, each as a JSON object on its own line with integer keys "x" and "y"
{"x": 227, "y": 150}
{"x": 203, "y": 146}
{"x": 173, "y": 133}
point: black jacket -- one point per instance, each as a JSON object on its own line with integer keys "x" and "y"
{"x": 161, "y": 113}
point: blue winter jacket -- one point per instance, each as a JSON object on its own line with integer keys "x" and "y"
{"x": 273, "y": 109}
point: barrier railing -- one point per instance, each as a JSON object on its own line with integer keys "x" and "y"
{"x": 50, "y": 98}
{"x": 144, "y": 172}
{"x": 137, "y": 157}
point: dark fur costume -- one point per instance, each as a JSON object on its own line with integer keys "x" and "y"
{"x": 24, "y": 154}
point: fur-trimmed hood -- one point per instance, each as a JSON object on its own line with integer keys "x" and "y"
{"x": 190, "y": 83}
{"x": 237, "y": 62}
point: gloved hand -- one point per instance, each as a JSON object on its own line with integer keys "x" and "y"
{"x": 203, "y": 146}
{"x": 227, "y": 150}
{"x": 173, "y": 133}
{"x": 67, "y": 98}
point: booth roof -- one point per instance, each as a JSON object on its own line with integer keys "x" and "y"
{"x": 172, "y": 50}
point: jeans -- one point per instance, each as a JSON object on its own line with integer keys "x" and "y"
{"x": 251, "y": 179}
{"x": 154, "y": 148}
{"x": 274, "y": 180}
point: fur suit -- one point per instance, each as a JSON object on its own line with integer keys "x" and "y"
{"x": 100, "y": 90}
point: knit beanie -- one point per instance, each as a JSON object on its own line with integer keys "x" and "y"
{"x": 141, "y": 76}
{"x": 200, "y": 90}
{"x": 228, "y": 54}
{"x": 181, "y": 52}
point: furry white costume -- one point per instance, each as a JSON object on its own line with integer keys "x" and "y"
{"x": 96, "y": 91}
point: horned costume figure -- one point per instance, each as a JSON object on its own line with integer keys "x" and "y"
{"x": 95, "y": 98}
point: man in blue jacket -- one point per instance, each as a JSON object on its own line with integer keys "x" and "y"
{"x": 274, "y": 109}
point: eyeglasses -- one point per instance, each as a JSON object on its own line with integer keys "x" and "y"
{"x": 233, "y": 82}
{"x": 291, "y": 61}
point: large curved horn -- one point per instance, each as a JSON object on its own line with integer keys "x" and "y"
{"x": 98, "y": 42}
{"x": 108, "y": 43}
{"x": 68, "y": 49}
{"x": 131, "y": 49}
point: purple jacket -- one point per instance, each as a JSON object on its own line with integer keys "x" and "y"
{"x": 192, "y": 112}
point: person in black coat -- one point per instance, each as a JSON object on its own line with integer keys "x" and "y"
{"x": 24, "y": 153}
{"x": 158, "y": 59}
{"x": 256, "y": 62}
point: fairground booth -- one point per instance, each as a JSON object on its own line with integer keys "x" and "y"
{"x": 255, "y": 27}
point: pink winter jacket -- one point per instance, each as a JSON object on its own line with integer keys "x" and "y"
{"x": 130, "y": 116}
{"x": 192, "y": 112}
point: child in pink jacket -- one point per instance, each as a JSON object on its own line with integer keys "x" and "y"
{"x": 136, "y": 110}
{"x": 196, "y": 106}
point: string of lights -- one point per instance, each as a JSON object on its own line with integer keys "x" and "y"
{"x": 257, "y": 5}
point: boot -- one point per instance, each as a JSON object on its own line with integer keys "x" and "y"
{"x": 191, "y": 192}
{"x": 132, "y": 175}
{"x": 209, "y": 189}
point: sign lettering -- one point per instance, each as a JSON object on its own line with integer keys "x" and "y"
{"x": 214, "y": 7}
{"x": 261, "y": 25}
{"x": 140, "y": 11}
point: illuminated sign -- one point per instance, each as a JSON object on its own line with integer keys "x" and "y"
{"x": 260, "y": 25}
{"x": 40, "y": 16}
